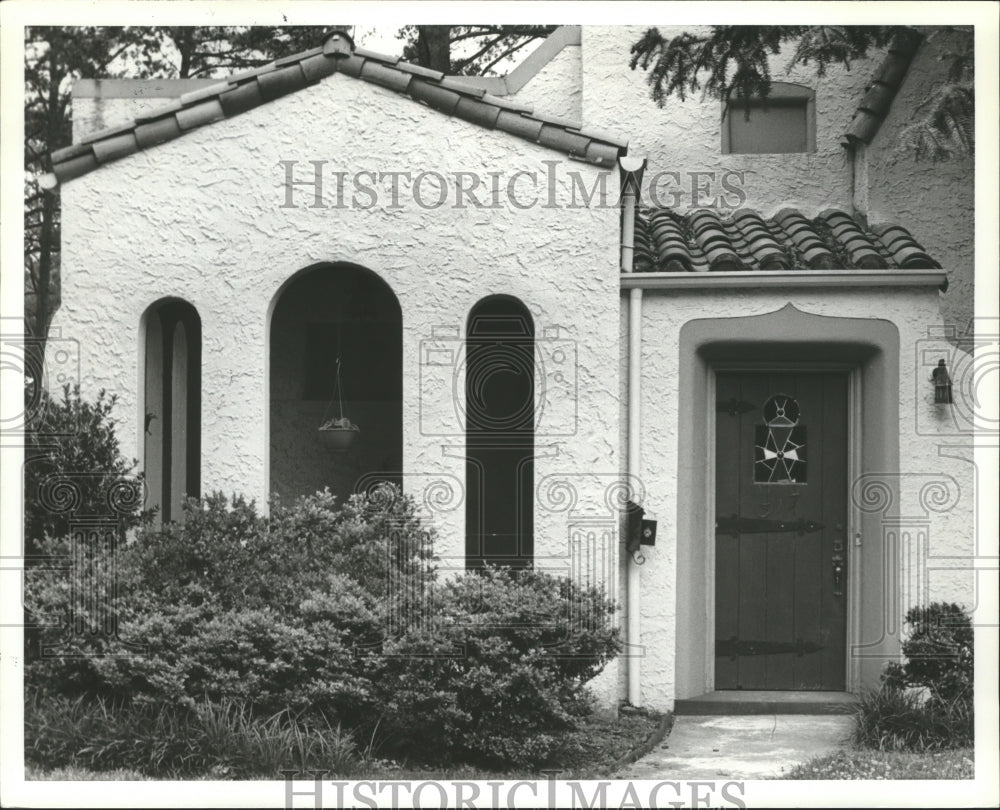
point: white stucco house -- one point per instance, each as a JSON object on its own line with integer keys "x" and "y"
{"x": 539, "y": 297}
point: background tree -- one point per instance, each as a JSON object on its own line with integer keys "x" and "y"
{"x": 467, "y": 50}
{"x": 55, "y": 56}
{"x": 734, "y": 61}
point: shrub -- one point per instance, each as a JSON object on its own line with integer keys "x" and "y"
{"x": 499, "y": 675}
{"x": 223, "y": 739}
{"x": 73, "y": 469}
{"x": 895, "y": 719}
{"x": 71, "y": 444}
{"x": 232, "y": 605}
{"x": 939, "y": 652}
{"x": 330, "y": 610}
{"x": 925, "y": 703}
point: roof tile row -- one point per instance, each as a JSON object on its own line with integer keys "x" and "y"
{"x": 244, "y": 91}
{"x": 701, "y": 241}
{"x": 874, "y": 107}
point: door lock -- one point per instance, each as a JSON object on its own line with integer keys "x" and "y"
{"x": 838, "y": 574}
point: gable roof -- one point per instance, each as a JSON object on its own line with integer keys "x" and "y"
{"x": 879, "y": 94}
{"x": 450, "y": 95}
{"x": 669, "y": 241}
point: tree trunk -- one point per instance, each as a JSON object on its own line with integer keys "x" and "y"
{"x": 434, "y": 47}
{"x": 47, "y": 235}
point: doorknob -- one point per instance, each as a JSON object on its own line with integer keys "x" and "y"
{"x": 838, "y": 574}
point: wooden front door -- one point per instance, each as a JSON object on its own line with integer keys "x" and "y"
{"x": 781, "y": 530}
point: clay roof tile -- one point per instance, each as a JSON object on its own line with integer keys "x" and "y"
{"x": 452, "y": 95}
{"x": 670, "y": 241}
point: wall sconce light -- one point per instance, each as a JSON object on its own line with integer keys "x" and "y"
{"x": 942, "y": 384}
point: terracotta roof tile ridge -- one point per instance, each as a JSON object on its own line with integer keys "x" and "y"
{"x": 244, "y": 91}
{"x": 667, "y": 240}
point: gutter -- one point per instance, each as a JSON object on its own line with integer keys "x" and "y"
{"x": 631, "y": 169}
{"x": 787, "y": 279}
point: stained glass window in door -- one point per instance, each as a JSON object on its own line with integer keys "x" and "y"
{"x": 780, "y": 444}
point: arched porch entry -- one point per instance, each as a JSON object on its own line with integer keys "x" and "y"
{"x": 326, "y": 312}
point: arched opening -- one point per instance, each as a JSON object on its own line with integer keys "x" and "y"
{"x": 325, "y": 313}
{"x": 500, "y": 433}
{"x": 172, "y": 407}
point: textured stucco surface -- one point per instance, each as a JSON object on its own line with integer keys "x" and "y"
{"x": 935, "y": 487}
{"x": 685, "y": 136}
{"x": 557, "y": 88}
{"x": 935, "y": 201}
{"x": 202, "y": 218}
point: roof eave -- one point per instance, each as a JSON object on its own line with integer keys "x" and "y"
{"x": 246, "y": 91}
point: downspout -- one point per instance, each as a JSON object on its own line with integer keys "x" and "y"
{"x": 851, "y": 159}
{"x": 631, "y": 169}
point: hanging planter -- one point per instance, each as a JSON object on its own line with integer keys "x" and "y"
{"x": 338, "y": 434}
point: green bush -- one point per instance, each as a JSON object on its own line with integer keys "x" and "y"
{"x": 73, "y": 469}
{"x": 329, "y": 610}
{"x": 898, "y": 719}
{"x": 223, "y": 739}
{"x": 939, "y": 652}
{"x": 925, "y": 703}
{"x": 500, "y": 678}
{"x": 71, "y": 444}
{"x": 231, "y": 605}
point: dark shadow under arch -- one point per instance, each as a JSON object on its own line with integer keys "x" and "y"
{"x": 172, "y": 406}
{"x": 327, "y": 311}
{"x": 500, "y": 433}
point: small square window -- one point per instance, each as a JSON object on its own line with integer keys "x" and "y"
{"x": 782, "y": 124}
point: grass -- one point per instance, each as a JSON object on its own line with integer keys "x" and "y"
{"x": 601, "y": 744}
{"x": 894, "y": 719}
{"x": 866, "y": 764}
{"x": 212, "y": 740}
{"x": 74, "y": 773}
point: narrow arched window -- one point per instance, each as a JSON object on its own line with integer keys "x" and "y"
{"x": 172, "y": 407}
{"x": 500, "y": 433}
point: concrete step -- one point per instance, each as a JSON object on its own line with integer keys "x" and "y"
{"x": 739, "y": 701}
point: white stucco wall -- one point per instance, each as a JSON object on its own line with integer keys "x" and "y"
{"x": 202, "y": 218}
{"x": 934, "y": 201}
{"x": 685, "y": 136}
{"x": 557, "y": 89}
{"x": 935, "y": 487}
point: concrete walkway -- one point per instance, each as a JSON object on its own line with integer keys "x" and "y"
{"x": 741, "y": 747}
